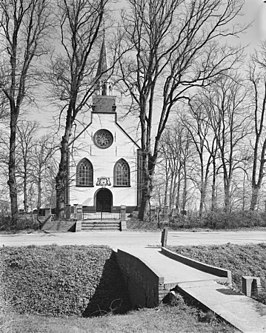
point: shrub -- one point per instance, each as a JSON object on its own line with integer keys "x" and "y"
{"x": 25, "y": 222}
{"x": 67, "y": 280}
{"x": 237, "y": 219}
{"x": 219, "y": 220}
{"x": 185, "y": 222}
{"x": 148, "y": 224}
{"x": 6, "y": 316}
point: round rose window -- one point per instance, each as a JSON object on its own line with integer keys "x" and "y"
{"x": 103, "y": 138}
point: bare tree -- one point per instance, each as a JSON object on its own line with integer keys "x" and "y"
{"x": 170, "y": 159}
{"x": 43, "y": 165}
{"x": 23, "y": 25}
{"x": 25, "y": 143}
{"x": 73, "y": 72}
{"x": 197, "y": 123}
{"x": 174, "y": 165}
{"x": 229, "y": 120}
{"x": 257, "y": 78}
{"x": 172, "y": 49}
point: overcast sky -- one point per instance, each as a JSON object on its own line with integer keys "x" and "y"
{"x": 255, "y": 10}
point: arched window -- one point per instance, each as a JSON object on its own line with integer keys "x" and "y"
{"x": 121, "y": 173}
{"x": 84, "y": 173}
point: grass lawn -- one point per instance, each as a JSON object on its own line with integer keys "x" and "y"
{"x": 181, "y": 318}
{"x": 239, "y": 259}
{"x": 49, "y": 289}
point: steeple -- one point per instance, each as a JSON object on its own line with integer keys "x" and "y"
{"x": 102, "y": 64}
{"x": 102, "y": 84}
{"x": 102, "y": 100}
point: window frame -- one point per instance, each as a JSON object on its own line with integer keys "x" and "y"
{"x": 121, "y": 160}
{"x": 103, "y": 131}
{"x": 88, "y": 173}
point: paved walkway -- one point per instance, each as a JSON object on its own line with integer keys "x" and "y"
{"x": 172, "y": 271}
{"x": 242, "y": 312}
{"x": 133, "y": 238}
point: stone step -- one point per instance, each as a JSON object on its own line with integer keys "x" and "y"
{"x": 101, "y": 229}
{"x": 99, "y": 222}
{"x": 100, "y": 225}
{"x": 84, "y": 226}
{"x": 99, "y": 219}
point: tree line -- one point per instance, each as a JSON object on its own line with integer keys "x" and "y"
{"x": 213, "y": 155}
{"x": 163, "y": 56}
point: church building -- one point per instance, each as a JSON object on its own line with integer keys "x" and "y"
{"x": 104, "y": 160}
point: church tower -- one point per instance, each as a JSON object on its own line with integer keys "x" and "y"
{"x": 104, "y": 168}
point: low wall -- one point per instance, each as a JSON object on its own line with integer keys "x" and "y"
{"x": 145, "y": 287}
{"x": 60, "y": 226}
{"x": 220, "y": 272}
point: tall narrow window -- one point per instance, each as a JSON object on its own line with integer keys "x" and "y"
{"x": 121, "y": 173}
{"x": 84, "y": 173}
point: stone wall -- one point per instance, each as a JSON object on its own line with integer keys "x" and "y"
{"x": 146, "y": 289}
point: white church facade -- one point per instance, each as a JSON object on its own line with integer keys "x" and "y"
{"x": 104, "y": 171}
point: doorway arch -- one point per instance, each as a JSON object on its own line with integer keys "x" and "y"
{"x": 104, "y": 200}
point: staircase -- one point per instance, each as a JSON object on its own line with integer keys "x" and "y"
{"x": 98, "y": 224}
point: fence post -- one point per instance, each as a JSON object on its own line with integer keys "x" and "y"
{"x": 250, "y": 285}
{"x": 79, "y": 212}
{"x": 123, "y": 225}
{"x": 67, "y": 212}
{"x": 164, "y": 237}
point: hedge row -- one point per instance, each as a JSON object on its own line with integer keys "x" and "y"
{"x": 67, "y": 280}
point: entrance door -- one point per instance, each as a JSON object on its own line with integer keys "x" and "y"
{"x": 104, "y": 200}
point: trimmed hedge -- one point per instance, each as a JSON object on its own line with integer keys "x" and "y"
{"x": 65, "y": 280}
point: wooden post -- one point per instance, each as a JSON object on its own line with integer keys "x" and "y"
{"x": 164, "y": 237}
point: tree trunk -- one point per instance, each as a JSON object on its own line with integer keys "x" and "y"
{"x": 62, "y": 175}
{"x": 202, "y": 197}
{"x": 254, "y": 197}
{"x": 39, "y": 194}
{"x": 227, "y": 198}
{"x": 148, "y": 167}
{"x": 25, "y": 193}
{"x": 184, "y": 195}
{"x": 172, "y": 191}
{"x": 244, "y": 194}
{"x": 256, "y": 185}
{"x": 213, "y": 199}
{"x": 145, "y": 199}
{"x": 166, "y": 188}
{"x": 178, "y": 191}
{"x": 12, "y": 169}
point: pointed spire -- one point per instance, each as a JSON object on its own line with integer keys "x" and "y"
{"x": 103, "y": 101}
{"x": 102, "y": 64}
{"x": 101, "y": 74}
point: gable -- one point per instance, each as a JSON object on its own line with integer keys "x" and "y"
{"x": 104, "y": 121}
